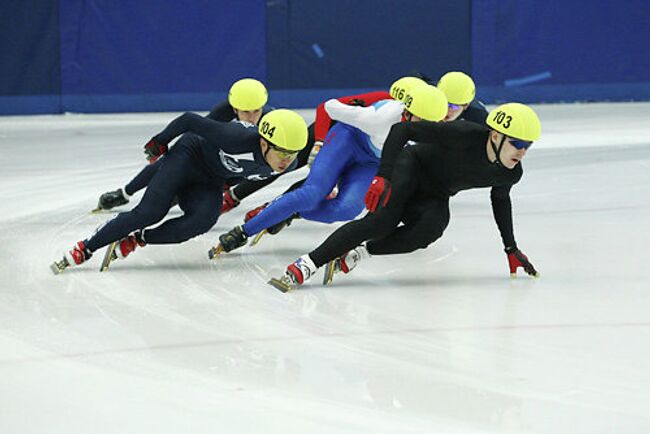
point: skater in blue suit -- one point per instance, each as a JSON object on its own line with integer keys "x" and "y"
{"x": 349, "y": 158}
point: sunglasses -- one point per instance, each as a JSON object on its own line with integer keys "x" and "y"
{"x": 283, "y": 153}
{"x": 520, "y": 144}
{"x": 456, "y": 107}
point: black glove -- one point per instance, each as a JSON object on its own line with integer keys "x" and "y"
{"x": 234, "y": 239}
{"x": 357, "y": 102}
{"x": 154, "y": 150}
{"x": 516, "y": 259}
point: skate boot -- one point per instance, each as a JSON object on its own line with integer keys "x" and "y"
{"x": 129, "y": 244}
{"x": 344, "y": 263}
{"x": 76, "y": 256}
{"x": 111, "y": 199}
{"x": 229, "y": 241}
{"x": 296, "y": 274}
{"x": 122, "y": 249}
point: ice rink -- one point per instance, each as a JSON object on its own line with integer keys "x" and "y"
{"x": 438, "y": 341}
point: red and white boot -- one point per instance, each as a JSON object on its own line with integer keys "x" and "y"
{"x": 296, "y": 274}
{"x": 129, "y": 244}
{"x": 78, "y": 254}
{"x": 75, "y": 256}
{"x": 345, "y": 263}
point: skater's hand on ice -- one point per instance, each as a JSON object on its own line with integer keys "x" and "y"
{"x": 378, "y": 193}
{"x": 516, "y": 259}
{"x": 154, "y": 150}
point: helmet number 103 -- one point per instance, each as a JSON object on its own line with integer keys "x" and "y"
{"x": 502, "y": 119}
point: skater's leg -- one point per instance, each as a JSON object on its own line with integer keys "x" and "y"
{"x": 200, "y": 204}
{"x": 426, "y": 222}
{"x": 348, "y": 204}
{"x": 175, "y": 172}
{"x": 377, "y": 225}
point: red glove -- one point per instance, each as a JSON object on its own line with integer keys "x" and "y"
{"x": 154, "y": 150}
{"x": 255, "y": 211}
{"x": 229, "y": 201}
{"x": 378, "y": 193}
{"x": 516, "y": 259}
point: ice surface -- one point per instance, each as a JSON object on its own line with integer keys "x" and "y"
{"x": 438, "y": 341}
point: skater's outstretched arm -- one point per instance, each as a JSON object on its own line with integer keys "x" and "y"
{"x": 323, "y": 120}
{"x": 370, "y": 120}
{"x": 204, "y": 127}
{"x": 502, "y": 211}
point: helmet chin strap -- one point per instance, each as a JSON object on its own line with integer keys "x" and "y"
{"x": 497, "y": 151}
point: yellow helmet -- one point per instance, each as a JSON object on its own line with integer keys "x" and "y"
{"x": 426, "y": 102}
{"x": 285, "y": 129}
{"x": 458, "y": 86}
{"x": 248, "y": 94}
{"x": 400, "y": 88}
{"x": 515, "y": 120}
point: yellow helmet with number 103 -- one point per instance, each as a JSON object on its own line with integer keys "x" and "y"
{"x": 515, "y": 120}
{"x": 426, "y": 102}
{"x": 285, "y": 129}
{"x": 401, "y": 87}
{"x": 248, "y": 94}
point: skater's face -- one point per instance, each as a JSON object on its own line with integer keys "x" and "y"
{"x": 512, "y": 152}
{"x": 250, "y": 116}
{"x": 453, "y": 111}
{"x": 279, "y": 159}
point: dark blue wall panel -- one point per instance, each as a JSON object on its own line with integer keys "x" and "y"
{"x": 137, "y": 55}
{"x": 153, "y": 55}
{"x": 30, "y": 79}
{"x": 364, "y": 43}
{"x": 567, "y": 50}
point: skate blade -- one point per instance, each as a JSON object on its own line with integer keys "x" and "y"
{"x": 57, "y": 267}
{"x": 258, "y": 237}
{"x": 280, "y": 285}
{"x": 109, "y": 256}
{"x": 214, "y": 252}
{"x": 96, "y": 210}
{"x": 329, "y": 272}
